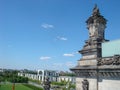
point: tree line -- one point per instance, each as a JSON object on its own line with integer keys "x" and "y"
{"x": 12, "y": 76}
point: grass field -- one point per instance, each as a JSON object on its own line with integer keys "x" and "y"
{"x": 17, "y": 87}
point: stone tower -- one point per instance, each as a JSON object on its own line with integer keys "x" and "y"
{"x": 93, "y": 72}
{"x": 96, "y": 25}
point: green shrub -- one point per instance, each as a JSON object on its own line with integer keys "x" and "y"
{"x": 59, "y": 83}
{"x": 72, "y": 86}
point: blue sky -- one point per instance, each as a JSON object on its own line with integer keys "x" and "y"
{"x": 46, "y": 34}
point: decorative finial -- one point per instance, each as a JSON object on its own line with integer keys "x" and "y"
{"x": 95, "y": 11}
{"x": 96, "y": 16}
{"x": 95, "y": 7}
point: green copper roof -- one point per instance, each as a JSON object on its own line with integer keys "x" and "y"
{"x": 111, "y": 48}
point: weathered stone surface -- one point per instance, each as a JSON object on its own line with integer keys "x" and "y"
{"x": 109, "y": 84}
{"x": 87, "y": 62}
{"x": 89, "y": 57}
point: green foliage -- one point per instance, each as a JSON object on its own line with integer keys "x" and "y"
{"x": 12, "y": 76}
{"x": 2, "y": 79}
{"x": 63, "y": 85}
{"x": 59, "y": 83}
{"x": 72, "y": 86}
{"x": 33, "y": 87}
{"x": 69, "y": 74}
{"x": 66, "y": 74}
{"x": 19, "y": 79}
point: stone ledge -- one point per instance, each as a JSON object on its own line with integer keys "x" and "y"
{"x": 87, "y": 62}
{"x": 109, "y": 67}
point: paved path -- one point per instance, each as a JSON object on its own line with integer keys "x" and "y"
{"x": 35, "y": 84}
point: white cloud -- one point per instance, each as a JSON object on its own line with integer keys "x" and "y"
{"x": 62, "y": 38}
{"x": 45, "y": 58}
{"x": 70, "y": 64}
{"x": 77, "y": 52}
{"x": 47, "y": 26}
{"x": 68, "y": 54}
{"x": 57, "y": 64}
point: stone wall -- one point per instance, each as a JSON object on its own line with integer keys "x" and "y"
{"x": 103, "y": 83}
{"x": 92, "y": 83}
{"x": 109, "y": 84}
{"x": 87, "y": 62}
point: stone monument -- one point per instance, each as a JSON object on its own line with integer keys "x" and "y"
{"x": 93, "y": 72}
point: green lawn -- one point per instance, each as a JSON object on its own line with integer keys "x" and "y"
{"x": 17, "y": 87}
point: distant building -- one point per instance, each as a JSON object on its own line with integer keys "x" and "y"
{"x": 1, "y": 70}
{"x": 40, "y": 75}
{"x": 66, "y": 78}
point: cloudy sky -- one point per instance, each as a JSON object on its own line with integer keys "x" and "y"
{"x": 47, "y": 34}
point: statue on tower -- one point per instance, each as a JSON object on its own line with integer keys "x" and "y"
{"x": 96, "y": 24}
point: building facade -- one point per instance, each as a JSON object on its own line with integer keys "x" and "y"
{"x": 40, "y": 75}
{"x": 52, "y": 75}
{"x": 66, "y": 79}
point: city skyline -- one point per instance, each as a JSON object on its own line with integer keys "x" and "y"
{"x": 47, "y": 34}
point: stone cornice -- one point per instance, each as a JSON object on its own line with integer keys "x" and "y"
{"x": 106, "y": 72}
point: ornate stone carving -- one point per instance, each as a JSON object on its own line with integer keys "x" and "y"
{"x": 95, "y": 11}
{"x": 96, "y": 17}
{"x": 96, "y": 24}
{"x": 85, "y": 84}
{"x": 115, "y": 60}
{"x": 86, "y": 73}
{"x": 47, "y": 84}
{"x": 90, "y": 42}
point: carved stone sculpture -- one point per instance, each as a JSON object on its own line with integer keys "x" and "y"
{"x": 115, "y": 60}
{"x": 85, "y": 84}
